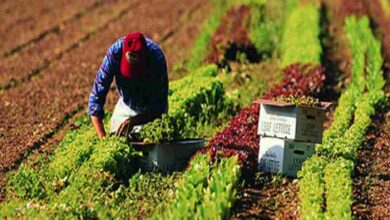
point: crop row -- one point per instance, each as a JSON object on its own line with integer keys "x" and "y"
{"x": 212, "y": 199}
{"x": 39, "y": 18}
{"x": 79, "y": 190}
{"x": 85, "y": 169}
{"x": 195, "y": 99}
{"x": 88, "y": 181}
{"x": 231, "y": 24}
{"x": 251, "y": 30}
{"x": 305, "y": 46}
{"x": 204, "y": 192}
{"x": 240, "y": 136}
{"x": 53, "y": 190}
{"x": 330, "y": 173}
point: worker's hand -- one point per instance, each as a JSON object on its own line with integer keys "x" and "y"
{"x": 125, "y": 128}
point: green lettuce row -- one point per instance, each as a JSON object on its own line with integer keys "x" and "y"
{"x": 341, "y": 138}
{"x": 342, "y": 118}
{"x": 90, "y": 187}
{"x": 72, "y": 152}
{"x": 312, "y": 188}
{"x": 198, "y": 90}
{"x": 357, "y": 40}
{"x": 144, "y": 194}
{"x": 189, "y": 191}
{"x": 267, "y": 23}
{"x": 338, "y": 186}
{"x": 220, "y": 193}
{"x": 300, "y": 42}
{"x": 343, "y": 141}
{"x": 193, "y": 100}
{"x": 348, "y": 145}
{"x": 267, "y": 18}
{"x": 86, "y": 189}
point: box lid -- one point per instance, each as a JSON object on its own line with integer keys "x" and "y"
{"x": 324, "y": 105}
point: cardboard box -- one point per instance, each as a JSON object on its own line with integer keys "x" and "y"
{"x": 283, "y": 156}
{"x": 167, "y": 157}
{"x": 285, "y": 120}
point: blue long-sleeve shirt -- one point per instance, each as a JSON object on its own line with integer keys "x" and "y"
{"x": 141, "y": 95}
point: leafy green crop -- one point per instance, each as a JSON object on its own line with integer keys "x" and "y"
{"x": 169, "y": 128}
{"x": 72, "y": 152}
{"x": 338, "y": 186}
{"x": 300, "y": 41}
{"x": 204, "y": 192}
{"x": 267, "y": 24}
{"x": 300, "y": 100}
{"x": 361, "y": 98}
{"x": 220, "y": 193}
{"x": 195, "y": 99}
{"x": 346, "y": 134}
{"x": 189, "y": 191}
{"x": 145, "y": 193}
{"x": 82, "y": 190}
{"x": 311, "y": 188}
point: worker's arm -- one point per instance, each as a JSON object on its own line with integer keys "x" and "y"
{"x": 101, "y": 86}
{"x": 99, "y": 127}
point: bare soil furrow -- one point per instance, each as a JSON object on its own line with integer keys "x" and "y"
{"x": 34, "y": 58}
{"x": 371, "y": 185}
{"x": 31, "y": 112}
{"x": 32, "y": 21}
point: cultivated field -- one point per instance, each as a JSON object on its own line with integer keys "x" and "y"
{"x": 222, "y": 56}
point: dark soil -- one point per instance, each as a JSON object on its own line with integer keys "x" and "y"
{"x": 32, "y": 113}
{"x": 25, "y": 22}
{"x": 31, "y": 60}
{"x": 232, "y": 38}
{"x": 268, "y": 197}
{"x": 372, "y": 173}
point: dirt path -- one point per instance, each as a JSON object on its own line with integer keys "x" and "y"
{"x": 33, "y": 59}
{"x": 32, "y": 113}
{"x": 29, "y": 21}
{"x": 372, "y": 173}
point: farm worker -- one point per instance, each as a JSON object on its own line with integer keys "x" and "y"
{"x": 140, "y": 71}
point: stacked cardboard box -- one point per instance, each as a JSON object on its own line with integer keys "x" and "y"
{"x": 288, "y": 135}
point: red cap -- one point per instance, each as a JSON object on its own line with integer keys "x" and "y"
{"x": 133, "y": 63}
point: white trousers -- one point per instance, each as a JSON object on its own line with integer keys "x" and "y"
{"x": 121, "y": 113}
